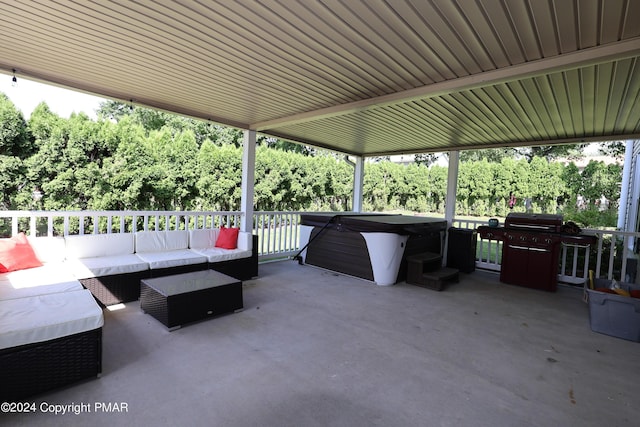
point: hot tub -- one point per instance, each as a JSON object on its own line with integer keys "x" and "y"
{"x": 370, "y": 246}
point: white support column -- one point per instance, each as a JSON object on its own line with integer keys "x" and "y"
{"x": 623, "y": 209}
{"x": 358, "y": 179}
{"x": 248, "y": 179}
{"x": 452, "y": 187}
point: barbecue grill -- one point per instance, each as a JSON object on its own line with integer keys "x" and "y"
{"x": 531, "y": 248}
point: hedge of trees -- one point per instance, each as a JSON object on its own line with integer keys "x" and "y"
{"x": 141, "y": 159}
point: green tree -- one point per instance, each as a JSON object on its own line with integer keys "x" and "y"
{"x": 474, "y": 190}
{"x": 437, "y": 194}
{"x": 572, "y": 180}
{"x": 613, "y": 148}
{"x": 128, "y": 175}
{"x": 552, "y": 152}
{"x": 416, "y": 188}
{"x": 494, "y": 155}
{"x": 15, "y": 145}
{"x": 382, "y": 185}
{"x": 174, "y": 167}
{"x": 426, "y": 159}
{"x": 546, "y": 184}
{"x": 338, "y": 185}
{"x": 599, "y": 179}
{"x": 154, "y": 120}
{"x": 67, "y": 165}
{"x": 15, "y": 139}
{"x": 273, "y": 181}
{"x": 219, "y": 180}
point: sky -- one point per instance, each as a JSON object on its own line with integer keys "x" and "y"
{"x": 27, "y": 94}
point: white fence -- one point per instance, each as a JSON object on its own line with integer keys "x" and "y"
{"x": 279, "y": 236}
{"x": 64, "y": 223}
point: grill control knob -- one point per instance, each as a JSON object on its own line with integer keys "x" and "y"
{"x": 547, "y": 241}
{"x": 534, "y": 240}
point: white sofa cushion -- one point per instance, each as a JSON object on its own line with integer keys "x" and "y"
{"x": 219, "y": 254}
{"x": 99, "y": 245}
{"x": 48, "y": 249}
{"x": 176, "y": 258}
{"x": 203, "y": 238}
{"x": 165, "y": 249}
{"x": 203, "y": 242}
{"x": 9, "y": 290}
{"x": 45, "y": 317}
{"x": 50, "y": 278}
{"x": 161, "y": 241}
{"x": 85, "y": 268}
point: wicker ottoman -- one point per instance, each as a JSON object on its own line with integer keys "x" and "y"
{"x": 189, "y": 297}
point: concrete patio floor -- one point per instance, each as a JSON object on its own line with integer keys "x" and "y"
{"x": 314, "y": 348}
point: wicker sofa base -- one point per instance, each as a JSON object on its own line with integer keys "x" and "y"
{"x": 32, "y": 369}
{"x": 242, "y": 268}
{"x": 160, "y": 272}
{"x": 117, "y": 288}
{"x": 121, "y": 288}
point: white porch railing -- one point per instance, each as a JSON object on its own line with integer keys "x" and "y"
{"x": 64, "y": 223}
{"x": 279, "y": 236}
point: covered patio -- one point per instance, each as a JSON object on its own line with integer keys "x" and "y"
{"x": 314, "y": 348}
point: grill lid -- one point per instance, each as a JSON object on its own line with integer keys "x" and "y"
{"x": 534, "y": 222}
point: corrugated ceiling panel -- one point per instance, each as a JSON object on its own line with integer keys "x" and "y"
{"x": 545, "y": 108}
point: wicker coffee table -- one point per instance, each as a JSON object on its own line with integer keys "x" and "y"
{"x": 183, "y": 298}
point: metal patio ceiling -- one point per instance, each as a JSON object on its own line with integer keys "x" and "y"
{"x": 362, "y": 77}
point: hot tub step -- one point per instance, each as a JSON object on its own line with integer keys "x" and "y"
{"x": 435, "y": 279}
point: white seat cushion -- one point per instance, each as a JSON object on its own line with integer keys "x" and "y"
{"x": 85, "y": 268}
{"x": 45, "y": 317}
{"x": 219, "y": 254}
{"x": 50, "y": 278}
{"x": 7, "y": 291}
{"x": 177, "y": 258}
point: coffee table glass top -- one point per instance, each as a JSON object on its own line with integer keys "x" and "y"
{"x": 189, "y": 282}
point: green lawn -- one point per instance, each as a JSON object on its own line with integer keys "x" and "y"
{"x": 482, "y": 252}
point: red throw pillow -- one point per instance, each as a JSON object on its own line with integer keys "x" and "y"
{"x": 17, "y": 254}
{"x": 227, "y": 238}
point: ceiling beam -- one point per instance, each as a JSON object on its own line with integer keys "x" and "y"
{"x": 560, "y": 141}
{"x": 568, "y": 61}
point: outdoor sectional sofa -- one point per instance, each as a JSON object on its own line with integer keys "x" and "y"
{"x": 112, "y": 265}
{"x": 50, "y": 327}
{"x": 50, "y": 322}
